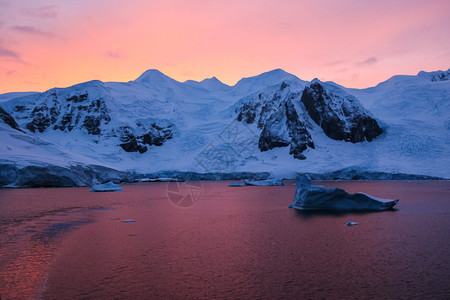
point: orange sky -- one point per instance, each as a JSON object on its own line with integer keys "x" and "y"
{"x": 356, "y": 43}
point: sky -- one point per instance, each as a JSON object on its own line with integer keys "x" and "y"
{"x": 356, "y": 43}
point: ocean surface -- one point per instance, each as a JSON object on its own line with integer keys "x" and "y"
{"x": 205, "y": 240}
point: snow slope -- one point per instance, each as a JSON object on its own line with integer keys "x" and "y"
{"x": 193, "y": 127}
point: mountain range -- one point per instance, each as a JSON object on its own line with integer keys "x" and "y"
{"x": 270, "y": 125}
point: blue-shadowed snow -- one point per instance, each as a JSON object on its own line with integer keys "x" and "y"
{"x": 413, "y": 111}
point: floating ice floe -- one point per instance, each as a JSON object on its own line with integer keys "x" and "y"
{"x": 275, "y": 181}
{"x": 129, "y": 221}
{"x": 236, "y": 184}
{"x": 160, "y": 179}
{"x": 106, "y": 187}
{"x": 316, "y": 197}
{"x": 350, "y": 223}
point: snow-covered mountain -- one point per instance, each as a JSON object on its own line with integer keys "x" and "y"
{"x": 273, "y": 122}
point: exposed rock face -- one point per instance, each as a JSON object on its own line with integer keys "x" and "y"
{"x": 133, "y": 146}
{"x": 284, "y": 128}
{"x": 247, "y": 113}
{"x": 80, "y": 111}
{"x": 8, "y": 119}
{"x": 155, "y": 136}
{"x": 300, "y": 137}
{"x": 41, "y": 119}
{"x": 76, "y": 111}
{"x": 444, "y": 76}
{"x": 339, "y": 114}
{"x": 279, "y": 121}
{"x": 86, "y": 109}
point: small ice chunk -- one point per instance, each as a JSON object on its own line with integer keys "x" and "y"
{"x": 159, "y": 179}
{"x": 267, "y": 182}
{"x": 129, "y": 221}
{"x": 236, "y": 184}
{"x": 350, "y": 223}
{"x": 106, "y": 187}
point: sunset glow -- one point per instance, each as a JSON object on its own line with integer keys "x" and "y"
{"x": 49, "y": 43}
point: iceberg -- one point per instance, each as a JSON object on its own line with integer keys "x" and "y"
{"x": 275, "y": 181}
{"x": 316, "y": 197}
{"x": 106, "y": 187}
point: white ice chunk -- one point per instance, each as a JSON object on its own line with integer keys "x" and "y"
{"x": 236, "y": 184}
{"x": 159, "y": 179}
{"x": 275, "y": 181}
{"x": 129, "y": 221}
{"x": 106, "y": 187}
{"x": 350, "y": 223}
{"x": 316, "y": 197}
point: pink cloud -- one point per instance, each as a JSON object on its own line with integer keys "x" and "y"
{"x": 114, "y": 54}
{"x": 10, "y": 55}
{"x": 31, "y": 30}
{"x": 48, "y": 11}
{"x": 370, "y": 61}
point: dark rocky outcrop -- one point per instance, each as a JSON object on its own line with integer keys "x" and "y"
{"x": 41, "y": 119}
{"x": 300, "y": 137}
{"x": 77, "y": 111}
{"x": 96, "y": 112}
{"x": 77, "y": 98}
{"x": 247, "y": 114}
{"x": 278, "y": 120}
{"x": 340, "y": 115}
{"x": 8, "y": 119}
{"x": 284, "y": 128}
{"x": 83, "y": 111}
{"x": 155, "y": 136}
{"x": 133, "y": 146}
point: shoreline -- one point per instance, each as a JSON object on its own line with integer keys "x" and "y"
{"x": 12, "y": 176}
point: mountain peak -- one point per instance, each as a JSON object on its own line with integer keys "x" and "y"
{"x": 212, "y": 82}
{"x": 266, "y": 79}
{"x": 212, "y": 79}
{"x": 153, "y": 75}
{"x": 276, "y": 72}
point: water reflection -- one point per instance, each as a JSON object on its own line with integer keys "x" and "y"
{"x": 234, "y": 243}
{"x": 27, "y": 249}
{"x": 305, "y": 214}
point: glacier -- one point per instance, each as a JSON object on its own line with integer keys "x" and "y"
{"x": 316, "y": 197}
{"x": 273, "y": 125}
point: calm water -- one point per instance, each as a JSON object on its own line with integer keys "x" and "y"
{"x": 207, "y": 240}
